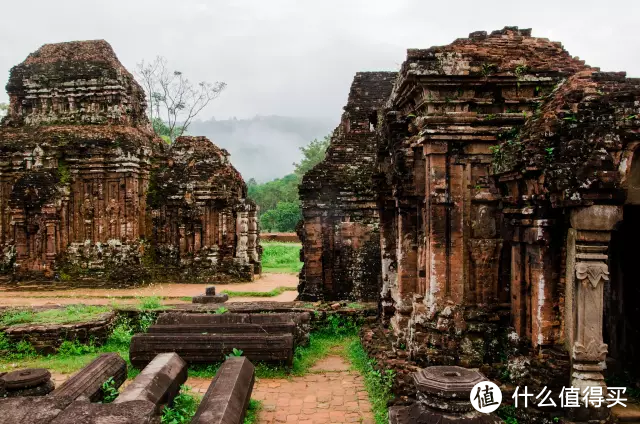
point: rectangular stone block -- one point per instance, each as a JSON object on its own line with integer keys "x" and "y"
{"x": 224, "y": 328}
{"x": 88, "y": 381}
{"x": 32, "y": 410}
{"x": 159, "y": 382}
{"x": 216, "y": 298}
{"x": 134, "y": 412}
{"x": 227, "y": 398}
{"x": 208, "y": 348}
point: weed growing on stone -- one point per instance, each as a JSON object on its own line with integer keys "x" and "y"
{"x": 184, "y": 407}
{"x": 377, "y": 383}
{"x": 221, "y": 310}
{"x": 109, "y": 391}
{"x": 252, "y": 412}
{"x": 279, "y": 257}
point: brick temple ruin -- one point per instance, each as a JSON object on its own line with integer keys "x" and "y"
{"x": 507, "y": 186}
{"x": 87, "y": 190}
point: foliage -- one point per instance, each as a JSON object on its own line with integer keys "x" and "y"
{"x": 312, "y": 154}
{"x": 507, "y": 413}
{"x": 75, "y": 348}
{"x": 278, "y": 199}
{"x": 281, "y": 257}
{"x": 163, "y": 131}
{"x": 109, "y": 391}
{"x": 283, "y": 217}
{"x": 173, "y": 97}
{"x": 66, "y": 315}
{"x": 182, "y": 409}
{"x": 150, "y": 303}
{"x": 377, "y": 383}
{"x": 221, "y": 310}
{"x": 235, "y": 352}
{"x": 275, "y": 292}
{"x": 4, "y": 109}
{"x": 64, "y": 175}
{"x": 251, "y": 416}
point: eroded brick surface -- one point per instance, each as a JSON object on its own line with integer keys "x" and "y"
{"x": 339, "y": 231}
{"x": 87, "y": 191}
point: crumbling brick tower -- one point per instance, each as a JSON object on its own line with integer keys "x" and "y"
{"x": 440, "y": 228}
{"x": 76, "y": 150}
{"x": 339, "y": 232}
{"x": 202, "y": 218}
{"x": 79, "y": 163}
{"x": 570, "y": 182}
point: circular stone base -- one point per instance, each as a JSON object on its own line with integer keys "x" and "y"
{"x": 40, "y": 390}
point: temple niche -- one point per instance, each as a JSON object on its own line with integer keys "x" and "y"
{"x": 339, "y": 230}
{"x": 78, "y": 159}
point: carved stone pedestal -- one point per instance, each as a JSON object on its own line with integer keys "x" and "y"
{"x": 210, "y": 296}
{"x": 443, "y": 397}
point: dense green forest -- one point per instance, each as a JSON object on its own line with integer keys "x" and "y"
{"x": 278, "y": 199}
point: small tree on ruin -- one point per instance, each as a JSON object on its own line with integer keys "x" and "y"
{"x": 173, "y": 100}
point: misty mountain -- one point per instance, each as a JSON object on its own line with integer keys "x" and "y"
{"x": 263, "y": 147}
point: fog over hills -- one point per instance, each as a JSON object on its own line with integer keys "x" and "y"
{"x": 263, "y": 147}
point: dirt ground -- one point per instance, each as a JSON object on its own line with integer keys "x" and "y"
{"x": 39, "y": 295}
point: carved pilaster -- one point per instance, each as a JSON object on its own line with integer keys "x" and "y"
{"x": 587, "y": 273}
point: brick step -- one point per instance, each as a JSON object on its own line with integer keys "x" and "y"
{"x": 628, "y": 414}
{"x": 178, "y": 318}
{"x": 210, "y": 348}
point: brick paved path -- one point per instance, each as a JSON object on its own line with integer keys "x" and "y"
{"x": 330, "y": 394}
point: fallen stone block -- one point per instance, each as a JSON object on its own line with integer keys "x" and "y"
{"x": 228, "y": 395}
{"x": 27, "y": 382}
{"x": 208, "y": 348}
{"x": 300, "y": 319}
{"x": 216, "y": 298}
{"x": 88, "y": 381}
{"x": 224, "y": 328}
{"x": 32, "y": 410}
{"x": 134, "y": 412}
{"x": 159, "y": 382}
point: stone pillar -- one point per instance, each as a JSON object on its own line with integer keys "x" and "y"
{"x": 242, "y": 229}
{"x": 587, "y": 272}
{"x": 252, "y": 240}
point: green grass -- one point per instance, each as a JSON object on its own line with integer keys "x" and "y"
{"x": 67, "y": 315}
{"x": 183, "y": 408}
{"x": 275, "y": 292}
{"x": 252, "y": 412}
{"x": 72, "y": 356}
{"x": 378, "y": 384}
{"x": 279, "y": 257}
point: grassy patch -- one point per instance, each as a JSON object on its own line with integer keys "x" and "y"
{"x": 151, "y": 303}
{"x": 72, "y": 355}
{"x": 252, "y": 412}
{"x": 378, "y": 384}
{"x": 184, "y": 407}
{"x": 281, "y": 257}
{"x": 275, "y": 292}
{"x": 68, "y": 315}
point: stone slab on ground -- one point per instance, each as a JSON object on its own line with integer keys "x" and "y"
{"x": 32, "y": 410}
{"x": 224, "y": 328}
{"x": 216, "y": 298}
{"x": 88, "y": 381}
{"x": 159, "y": 382}
{"x": 134, "y": 412}
{"x": 209, "y": 348}
{"x": 628, "y": 414}
{"x": 227, "y": 398}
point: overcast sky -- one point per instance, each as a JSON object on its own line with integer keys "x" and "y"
{"x": 297, "y": 58}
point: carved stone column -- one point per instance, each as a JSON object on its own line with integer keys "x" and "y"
{"x": 242, "y": 229}
{"x": 252, "y": 241}
{"x": 587, "y": 273}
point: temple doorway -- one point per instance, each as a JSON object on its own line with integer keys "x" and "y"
{"x": 622, "y": 297}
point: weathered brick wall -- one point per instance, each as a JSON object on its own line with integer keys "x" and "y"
{"x": 339, "y": 232}
{"x": 78, "y": 165}
{"x": 444, "y": 282}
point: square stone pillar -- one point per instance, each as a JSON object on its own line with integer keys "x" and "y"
{"x": 587, "y": 272}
